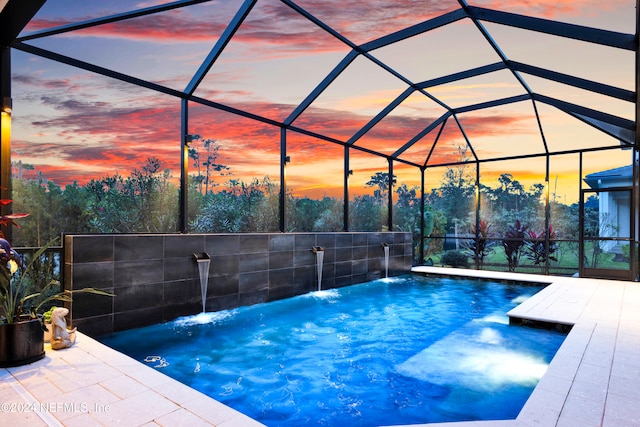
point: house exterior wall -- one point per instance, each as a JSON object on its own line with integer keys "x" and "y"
{"x": 614, "y": 217}
{"x": 155, "y": 277}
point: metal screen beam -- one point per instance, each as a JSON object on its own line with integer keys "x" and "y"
{"x": 183, "y": 214}
{"x": 544, "y": 139}
{"x": 530, "y": 156}
{"x": 626, "y": 136}
{"x": 422, "y": 134}
{"x": 491, "y": 104}
{"x": 15, "y": 15}
{"x": 388, "y": 109}
{"x": 390, "y": 197}
{"x": 435, "y": 142}
{"x": 96, "y": 69}
{"x": 109, "y": 19}
{"x": 345, "y": 200}
{"x": 572, "y": 31}
{"x": 415, "y": 30}
{"x": 473, "y": 72}
{"x": 601, "y": 88}
{"x": 338, "y": 69}
{"x": 284, "y": 159}
{"x": 464, "y": 135}
{"x": 5, "y": 136}
{"x": 578, "y": 110}
{"x": 319, "y": 23}
{"x": 222, "y": 42}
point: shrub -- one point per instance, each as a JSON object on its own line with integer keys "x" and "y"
{"x": 513, "y": 242}
{"x": 455, "y": 259}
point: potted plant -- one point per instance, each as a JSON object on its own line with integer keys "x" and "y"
{"x": 21, "y": 325}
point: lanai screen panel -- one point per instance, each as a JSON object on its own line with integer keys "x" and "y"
{"x": 518, "y": 188}
{"x": 451, "y": 198}
{"x": 278, "y": 58}
{"x": 564, "y": 185}
{"x": 165, "y": 48}
{"x": 315, "y": 184}
{"x": 368, "y": 192}
{"x": 61, "y": 12}
{"x": 415, "y": 114}
{"x": 442, "y": 51}
{"x": 564, "y": 132}
{"x": 361, "y": 91}
{"x": 274, "y": 60}
{"x": 446, "y": 148}
{"x": 598, "y": 102}
{"x": 408, "y": 176}
{"x": 250, "y": 148}
{"x": 564, "y": 181}
{"x": 603, "y": 161}
{"x": 68, "y": 132}
{"x": 315, "y": 169}
{"x": 614, "y": 15}
{"x": 504, "y": 131}
{"x": 479, "y": 89}
{"x": 577, "y": 58}
{"x": 361, "y": 22}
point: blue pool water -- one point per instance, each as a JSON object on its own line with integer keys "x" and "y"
{"x": 394, "y": 351}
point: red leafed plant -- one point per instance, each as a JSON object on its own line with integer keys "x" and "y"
{"x": 8, "y": 220}
{"x": 536, "y": 246}
{"x": 512, "y": 243}
{"x": 479, "y": 247}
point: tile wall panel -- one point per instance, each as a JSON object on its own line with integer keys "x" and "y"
{"x": 156, "y": 277}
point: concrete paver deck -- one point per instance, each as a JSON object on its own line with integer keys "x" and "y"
{"x": 91, "y": 384}
{"x": 594, "y": 379}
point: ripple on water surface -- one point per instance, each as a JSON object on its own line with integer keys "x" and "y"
{"x": 400, "y": 351}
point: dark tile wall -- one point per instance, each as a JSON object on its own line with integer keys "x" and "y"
{"x": 155, "y": 277}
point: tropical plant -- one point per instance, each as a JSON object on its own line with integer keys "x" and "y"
{"x": 205, "y": 158}
{"x": 381, "y": 181}
{"x": 17, "y": 300}
{"x": 480, "y": 246}
{"x": 512, "y": 243}
{"x": 538, "y": 248}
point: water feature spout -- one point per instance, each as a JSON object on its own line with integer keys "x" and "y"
{"x": 203, "y": 260}
{"x": 319, "y": 251}
{"x": 386, "y": 259}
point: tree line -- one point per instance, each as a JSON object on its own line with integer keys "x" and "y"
{"x": 146, "y": 201}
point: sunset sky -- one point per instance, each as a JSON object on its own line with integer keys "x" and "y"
{"x": 73, "y": 125}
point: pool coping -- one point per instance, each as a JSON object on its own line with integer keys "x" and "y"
{"x": 591, "y": 381}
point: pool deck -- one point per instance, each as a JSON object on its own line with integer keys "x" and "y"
{"x": 594, "y": 379}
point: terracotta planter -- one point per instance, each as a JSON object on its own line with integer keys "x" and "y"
{"x": 21, "y": 343}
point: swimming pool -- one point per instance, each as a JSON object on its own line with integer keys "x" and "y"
{"x": 406, "y": 350}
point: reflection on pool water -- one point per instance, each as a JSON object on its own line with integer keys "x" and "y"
{"x": 406, "y": 350}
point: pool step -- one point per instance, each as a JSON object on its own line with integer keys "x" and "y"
{"x": 482, "y": 355}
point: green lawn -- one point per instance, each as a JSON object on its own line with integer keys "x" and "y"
{"x": 567, "y": 261}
